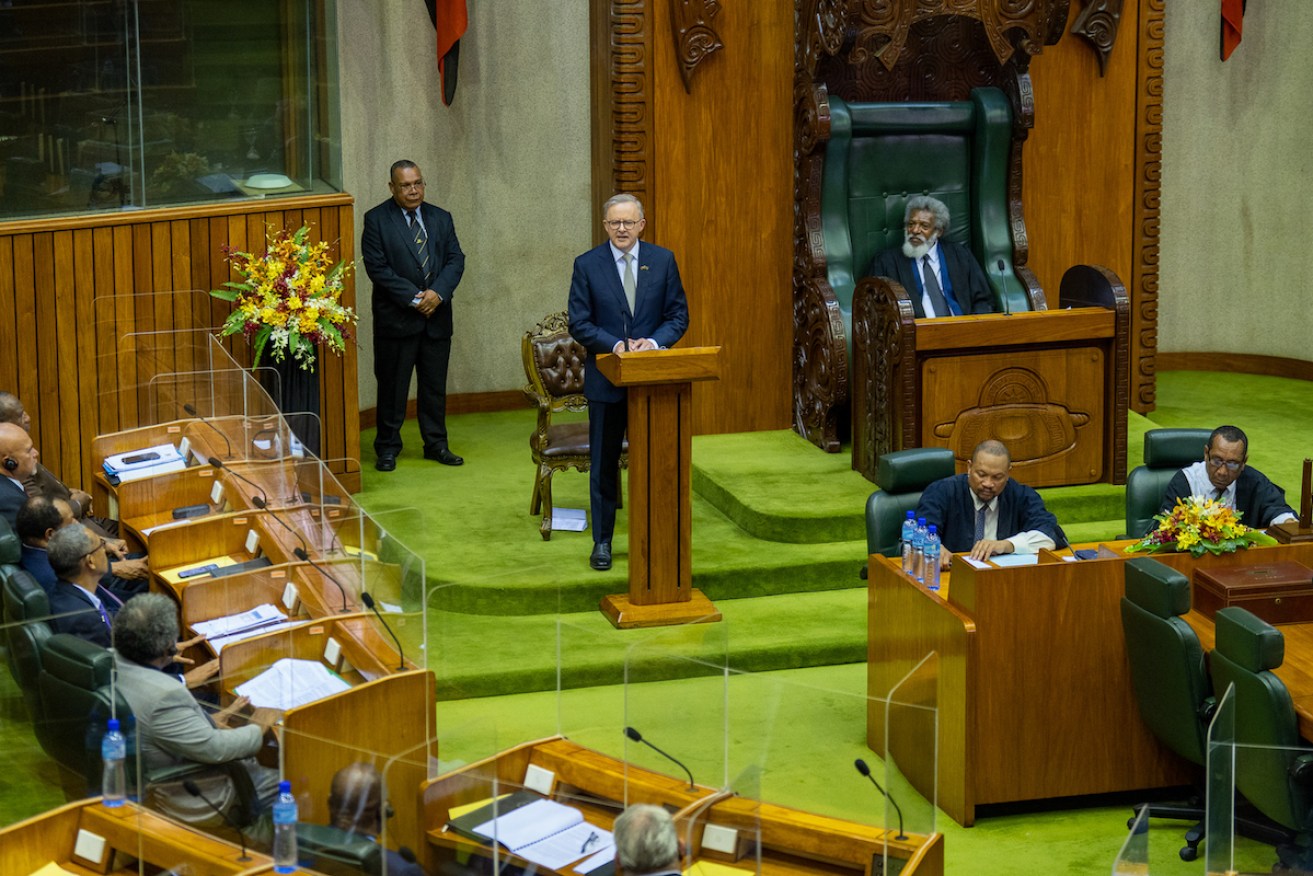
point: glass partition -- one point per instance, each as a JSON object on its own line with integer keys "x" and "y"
{"x": 148, "y": 103}
{"x": 911, "y": 760}
{"x": 1220, "y": 793}
{"x": 1133, "y": 857}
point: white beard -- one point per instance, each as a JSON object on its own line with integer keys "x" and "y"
{"x": 912, "y": 251}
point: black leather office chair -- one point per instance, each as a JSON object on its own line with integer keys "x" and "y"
{"x": 1166, "y": 451}
{"x": 1273, "y": 765}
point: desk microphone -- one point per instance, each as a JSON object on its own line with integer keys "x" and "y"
{"x": 194, "y": 789}
{"x": 369, "y": 603}
{"x": 1003, "y": 278}
{"x": 300, "y": 554}
{"x": 259, "y": 502}
{"x": 192, "y": 412}
{"x": 263, "y": 497}
{"x": 638, "y": 737}
{"x": 866, "y": 771}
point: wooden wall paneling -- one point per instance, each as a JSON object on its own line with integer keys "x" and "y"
{"x": 46, "y": 360}
{"x": 721, "y": 182}
{"x": 84, "y": 333}
{"x": 8, "y": 352}
{"x": 100, "y": 303}
{"x": 72, "y": 288}
{"x": 122, "y": 306}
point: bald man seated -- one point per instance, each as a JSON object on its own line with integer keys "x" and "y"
{"x": 355, "y": 805}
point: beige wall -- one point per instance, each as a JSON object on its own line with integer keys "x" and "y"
{"x": 1237, "y": 155}
{"x": 509, "y": 159}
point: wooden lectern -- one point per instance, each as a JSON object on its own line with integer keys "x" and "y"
{"x": 660, "y": 384}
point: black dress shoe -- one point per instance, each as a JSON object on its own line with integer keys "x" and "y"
{"x": 444, "y": 456}
{"x": 600, "y": 559}
{"x": 386, "y": 462}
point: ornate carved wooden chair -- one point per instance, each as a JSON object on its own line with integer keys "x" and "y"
{"x": 909, "y": 101}
{"x": 554, "y": 367}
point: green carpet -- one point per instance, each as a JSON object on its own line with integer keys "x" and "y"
{"x": 778, "y": 542}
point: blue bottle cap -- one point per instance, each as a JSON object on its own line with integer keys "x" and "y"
{"x": 933, "y": 528}
{"x": 112, "y": 725}
{"x": 284, "y": 787}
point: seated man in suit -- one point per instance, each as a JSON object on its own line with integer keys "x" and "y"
{"x": 941, "y": 277}
{"x": 131, "y": 574}
{"x": 172, "y": 728}
{"x": 39, "y": 519}
{"x": 79, "y": 604}
{"x": 984, "y": 512}
{"x": 1222, "y": 475}
{"x": 355, "y": 805}
{"x": 646, "y": 843}
{"x": 18, "y": 460}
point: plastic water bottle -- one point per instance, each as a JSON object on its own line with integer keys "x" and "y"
{"x": 905, "y": 543}
{"x": 113, "y": 751}
{"x": 285, "y": 857}
{"x": 918, "y": 549}
{"x": 932, "y": 559}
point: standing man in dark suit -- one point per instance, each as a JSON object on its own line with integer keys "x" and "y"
{"x": 18, "y": 461}
{"x": 623, "y": 296}
{"x": 1225, "y": 477}
{"x": 414, "y": 260}
{"x": 941, "y": 277}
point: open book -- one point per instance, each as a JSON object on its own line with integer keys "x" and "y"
{"x": 545, "y": 832}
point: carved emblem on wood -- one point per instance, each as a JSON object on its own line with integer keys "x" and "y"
{"x": 695, "y": 39}
{"x": 1015, "y": 407}
{"x": 1097, "y": 24}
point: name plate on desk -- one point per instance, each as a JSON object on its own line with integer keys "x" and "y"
{"x": 1279, "y": 593}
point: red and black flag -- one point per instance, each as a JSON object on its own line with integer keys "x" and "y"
{"x": 450, "y": 19}
{"x": 1233, "y": 23}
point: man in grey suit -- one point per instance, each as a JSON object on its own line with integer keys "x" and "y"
{"x": 172, "y": 728}
{"x": 414, "y": 260}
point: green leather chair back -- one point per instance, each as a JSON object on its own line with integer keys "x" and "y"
{"x": 330, "y": 850}
{"x": 901, "y": 476}
{"x": 1167, "y": 661}
{"x": 74, "y": 685}
{"x": 880, "y": 154}
{"x": 11, "y": 549}
{"x": 1166, "y": 451}
{"x": 1273, "y": 765}
{"x": 26, "y": 607}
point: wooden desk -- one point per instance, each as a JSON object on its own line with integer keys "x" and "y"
{"x": 130, "y": 832}
{"x": 792, "y": 841}
{"x": 1034, "y": 691}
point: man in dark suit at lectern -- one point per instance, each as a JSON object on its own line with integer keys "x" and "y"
{"x": 623, "y": 296}
{"x": 414, "y": 260}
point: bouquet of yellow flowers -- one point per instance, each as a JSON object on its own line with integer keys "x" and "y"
{"x": 288, "y": 299}
{"x": 1198, "y": 525}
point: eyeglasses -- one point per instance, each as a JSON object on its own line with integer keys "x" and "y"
{"x": 102, "y": 544}
{"x": 411, "y": 186}
{"x": 617, "y": 224}
{"x": 1231, "y": 464}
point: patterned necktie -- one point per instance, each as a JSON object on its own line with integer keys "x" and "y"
{"x": 1218, "y": 494}
{"x": 932, "y": 289}
{"x": 980, "y": 523}
{"x": 421, "y": 240}
{"x": 631, "y": 285}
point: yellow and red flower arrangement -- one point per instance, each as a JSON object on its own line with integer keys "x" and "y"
{"x": 288, "y": 299}
{"x": 1198, "y": 526}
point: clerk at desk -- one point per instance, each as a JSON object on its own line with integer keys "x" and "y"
{"x": 984, "y": 512}
{"x": 1223, "y": 476}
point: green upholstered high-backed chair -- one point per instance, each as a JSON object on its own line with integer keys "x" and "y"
{"x": 327, "y": 849}
{"x": 1166, "y": 451}
{"x": 902, "y": 476}
{"x": 1168, "y": 673}
{"x": 880, "y": 154}
{"x": 1273, "y": 765}
{"x": 11, "y": 549}
{"x": 26, "y": 631}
